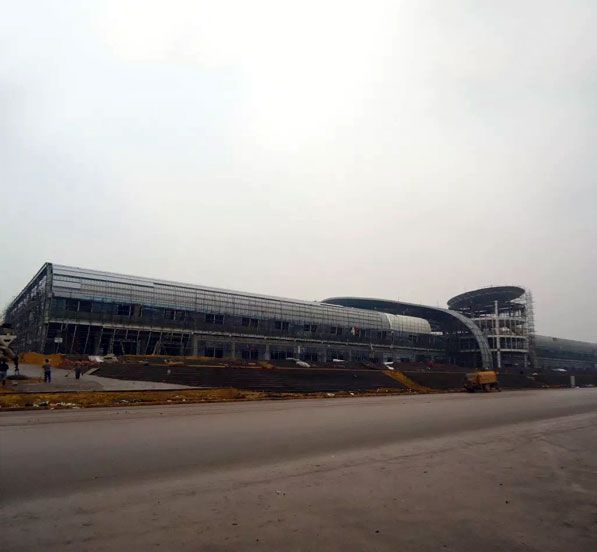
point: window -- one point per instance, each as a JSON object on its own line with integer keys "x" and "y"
{"x": 84, "y": 306}
{"x": 312, "y": 357}
{"x": 124, "y": 310}
{"x": 336, "y": 330}
{"x": 151, "y": 312}
{"x": 58, "y": 303}
{"x": 250, "y": 354}
{"x": 214, "y": 318}
{"x": 310, "y": 328}
{"x": 382, "y": 335}
{"x": 281, "y": 325}
{"x": 169, "y": 314}
{"x": 214, "y": 352}
{"x": 281, "y": 355}
{"x": 72, "y": 305}
{"x": 250, "y": 322}
{"x": 99, "y": 306}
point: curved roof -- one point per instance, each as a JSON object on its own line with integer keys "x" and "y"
{"x": 485, "y": 296}
{"x": 407, "y": 324}
{"x": 433, "y": 314}
{"x": 74, "y": 282}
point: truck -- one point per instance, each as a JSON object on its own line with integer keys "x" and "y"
{"x": 482, "y": 380}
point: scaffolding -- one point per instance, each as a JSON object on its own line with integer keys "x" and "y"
{"x": 504, "y": 314}
{"x": 530, "y": 328}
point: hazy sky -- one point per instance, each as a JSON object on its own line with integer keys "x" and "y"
{"x": 308, "y": 149}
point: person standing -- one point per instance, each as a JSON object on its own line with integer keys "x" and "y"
{"x": 78, "y": 371}
{"x": 3, "y": 370}
{"x": 47, "y": 372}
{"x": 17, "y": 372}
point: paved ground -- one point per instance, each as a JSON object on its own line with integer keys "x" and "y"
{"x": 64, "y": 380}
{"x": 515, "y": 471}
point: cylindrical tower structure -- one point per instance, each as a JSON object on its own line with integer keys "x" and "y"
{"x": 505, "y": 316}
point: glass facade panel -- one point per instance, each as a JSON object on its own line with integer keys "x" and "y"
{"x": 137, "y": 312}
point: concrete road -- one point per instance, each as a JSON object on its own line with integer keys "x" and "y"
{"x": 513, "y": 471}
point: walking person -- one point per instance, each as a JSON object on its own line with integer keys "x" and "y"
{"x": 17, "y": 372}
{"x": 3, "y": 370}
{"x": 47, "y": 372}
{"x": 78, "y": 371}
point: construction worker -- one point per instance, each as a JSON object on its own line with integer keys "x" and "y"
{"x": 47, "y": 372}
{"x": 3, "y": 370}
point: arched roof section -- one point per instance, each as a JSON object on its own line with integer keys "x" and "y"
{"x": 435, "y": 315}
{"x": 485, "y": 296}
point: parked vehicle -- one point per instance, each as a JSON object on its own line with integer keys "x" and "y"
{"x": 483, "y": 380}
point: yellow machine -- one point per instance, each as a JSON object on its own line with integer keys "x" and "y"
{"x": 481, "y": 381}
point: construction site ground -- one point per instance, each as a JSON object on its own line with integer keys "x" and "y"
{"x": 162, "y": 380}
{"x": 66, "y": 392}
{"x": 63, "y": 379}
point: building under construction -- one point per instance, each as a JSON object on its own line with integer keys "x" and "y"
{"x": 505, "y": 316}
{"x": 77, "y": 311}
{"x": 72, "y": 310}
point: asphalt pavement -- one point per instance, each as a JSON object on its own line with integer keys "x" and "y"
{"x": 503, "y": 471}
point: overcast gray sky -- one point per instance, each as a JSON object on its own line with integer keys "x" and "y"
{"x": 308, "y": 149}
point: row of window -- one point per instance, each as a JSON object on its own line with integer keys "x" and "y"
{"x": 196, "y": 299}
{"x": 247, "y": 354}
{"x": 250, "y": 322}
{"x": 192, "y": 320}
{"x": 309, "y": 356}
{"x": 141, "y": 311}
{"x": 214, "y": 319}
{"x": 281, "y": 355}
{"x": 311, "y": 328}
{"x": 253, "y": 354}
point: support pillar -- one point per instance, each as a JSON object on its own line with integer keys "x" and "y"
{"x": 98, "y": 341}
{"x": 498, "y": 345}
{"x": 111, "y": 345}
